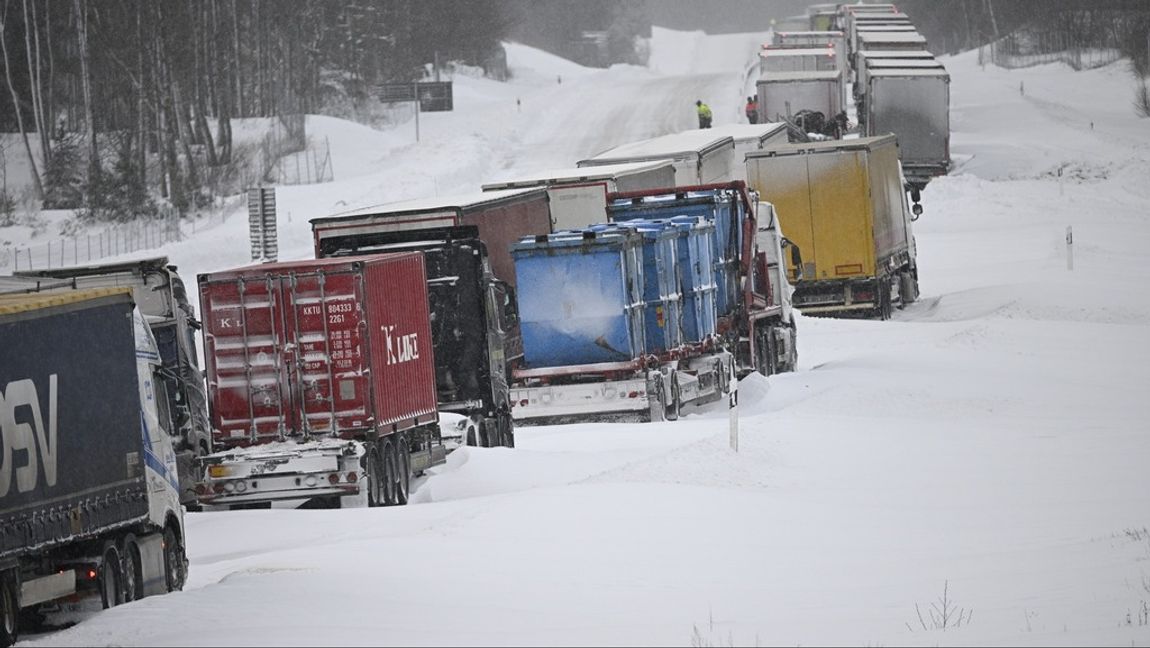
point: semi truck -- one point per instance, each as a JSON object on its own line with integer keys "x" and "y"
{"x": 321, "y": 382}
{"x": 651, "y": 312}
{"x": 902, "y": 55}
{"x": 784, "y": 94}
{"x": 578, "y": 196}
{"x": 844, "y": 203}
{"x": 913, "y": 104}
{"x": 502, "y": 217}
{"x": 699, "y": 156}
{"x": 89, "y": 493}
{"x": 474, "y": 320}
{"x": 747, "y": 137}
{"x": 160, "y": 294}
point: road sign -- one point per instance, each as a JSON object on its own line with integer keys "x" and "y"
{"x": 435, "y": 96}
{"x": 397, "y": 92}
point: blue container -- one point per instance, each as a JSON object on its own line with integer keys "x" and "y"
{"x": 576, "y": 291}
{"x": 696, "y": 276}
{"x": 661, "y": 294}
{"x": 720, "y": 207}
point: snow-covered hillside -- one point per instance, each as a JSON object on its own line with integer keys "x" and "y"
{"x": 991, "y": 443}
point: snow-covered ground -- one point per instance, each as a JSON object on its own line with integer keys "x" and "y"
{"x": 992, "y": 442}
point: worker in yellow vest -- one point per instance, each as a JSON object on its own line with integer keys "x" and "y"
{"x": 704, "y": 114}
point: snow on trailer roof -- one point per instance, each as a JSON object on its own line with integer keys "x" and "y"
{"x": 834, "y": 33}
{"x": 866, "y": 28}
{"x": 12, "y": 304}
{"x": 572, "y": 175}
{"x": 306, "y": 265}
{"x": 672, "y": 145}
{"x": 904, "y": 72}
{"x": 459, "y": 202}
{"x": 22, "y": 284}
{"x": 857, "y": 143}
{"x": 891, "y": 37}
{"x": 803, "y": 75}
{"x": 896, "y": 54}
{"x": 749, "y": 132}
{"x": 877, "y": 16}
{"x": 775, "y": 51}
{"x": 885, "y": 63}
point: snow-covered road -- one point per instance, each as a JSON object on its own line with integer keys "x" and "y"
{"x": 991, "y": 442}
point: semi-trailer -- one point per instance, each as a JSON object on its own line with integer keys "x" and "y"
{"x": 89, "y": 490}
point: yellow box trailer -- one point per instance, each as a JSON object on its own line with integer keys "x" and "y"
{"x": 843, "y": 203}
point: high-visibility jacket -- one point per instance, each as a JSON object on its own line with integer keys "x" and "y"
{"x": 704, "y": 111}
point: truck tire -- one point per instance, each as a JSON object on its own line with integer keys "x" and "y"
{"x": 373, "y": 468}
{"x": 132, "y": 569}
{"x": 506, "y": 430}
{"x": 675, "y": 407}
{"x": 111, "y": 577}
{"x": 9, "y": 612}
{"x": 390, "y": 474}
{"x": 403, "y": 482}
{"x": 175, "y": 572}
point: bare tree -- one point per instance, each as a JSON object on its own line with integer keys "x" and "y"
{"x": 37, "y": 187}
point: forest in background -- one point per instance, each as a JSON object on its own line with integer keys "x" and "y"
{"x": 128, "y": 105}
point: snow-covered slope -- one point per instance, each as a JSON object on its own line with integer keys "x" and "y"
{"x": 990, "y": 443}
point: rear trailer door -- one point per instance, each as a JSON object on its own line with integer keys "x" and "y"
{"x": 322, "y": 347}
{"x": 842, "y": 231}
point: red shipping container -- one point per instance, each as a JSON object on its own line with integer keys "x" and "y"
{"x": 337, "y": 347}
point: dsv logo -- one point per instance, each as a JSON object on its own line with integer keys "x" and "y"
{"x": 39, "y": 443}
{"x": 400, "y": 348}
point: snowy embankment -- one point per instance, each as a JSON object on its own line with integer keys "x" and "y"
{"x": 991, "y": 440}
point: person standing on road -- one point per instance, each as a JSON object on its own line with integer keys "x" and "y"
{"x": 704, "y": 114}
{"x": 752, "y": 110}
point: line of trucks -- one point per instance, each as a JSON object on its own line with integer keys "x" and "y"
{"x": 869, "y": 53}
{"x": 632, "y": 286}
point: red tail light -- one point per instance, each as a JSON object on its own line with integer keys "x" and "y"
{"x": 333, "y": 478}
{"x": 351, "y": 477}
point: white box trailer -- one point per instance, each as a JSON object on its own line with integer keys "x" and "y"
{"x": 869, "y": 64}
{"x": 885, "y": 40}
{"x": 782, "y": 94}
{"x": 699, "y": 156}
{"x": 915, "y": 106}
{"x": 752, "y": 137}
{"x": 904, "y": 55}
{"x": 578, "y": 196}
{"x": 804, "y": 39}
{"x": 806, "y": 59}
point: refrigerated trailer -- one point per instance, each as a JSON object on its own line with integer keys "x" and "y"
{"x": 89, "y": 499}
{"x": 321, "y": 382}
{"x": 578, "y": 196}
{"x": 699, "y": 156}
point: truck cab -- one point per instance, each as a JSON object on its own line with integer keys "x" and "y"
{"x": 161, "y": 296}
{"x": 474, "y": 324}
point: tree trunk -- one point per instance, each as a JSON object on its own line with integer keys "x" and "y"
{"x": 37, "y": 187}
{"x": 86, "y": 85}
{"x": 35, "y": 81}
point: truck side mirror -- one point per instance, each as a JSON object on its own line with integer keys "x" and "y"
{"x": 916, "y": 209}
{"x": 796, "y": 257}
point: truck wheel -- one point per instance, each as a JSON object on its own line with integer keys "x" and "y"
{"x": 9, "y": 612}
{"x": 174, "y": 566}
{"x": 111, "y": 578}
{"x": 507, "y": 427}
{"x": 657, "y": 401}
{"x": 390, "y": 474}
{"x": 403, "y": 483}
{"x": 132, "y": 569}
{"x": 675, "y": 407}
{"x": 374, "y": 469}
